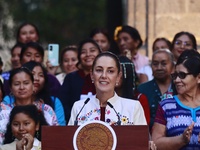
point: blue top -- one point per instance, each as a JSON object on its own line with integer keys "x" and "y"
{"x": 177, "y": 117}
{"x": 58, "y": 108}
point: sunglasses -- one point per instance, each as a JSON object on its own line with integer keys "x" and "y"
{"x": 181, "y": 75}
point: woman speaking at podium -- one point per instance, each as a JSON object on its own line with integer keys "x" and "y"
{"x": 106, "y": 105}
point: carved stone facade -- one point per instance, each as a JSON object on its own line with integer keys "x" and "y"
{"x": 163, "y": 18}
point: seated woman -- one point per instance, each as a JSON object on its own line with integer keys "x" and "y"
{"x": 25, "y": 126}
{"x": 177, "y": 120}
{"x": 105, "y": 75}
{"x": 41, "y": 90}
{"x": 22, "y": 87}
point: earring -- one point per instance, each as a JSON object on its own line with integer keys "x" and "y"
{"x": 92, "y": 81}
{"x": 116, "y": 84}
{"x": 37, "y": 134}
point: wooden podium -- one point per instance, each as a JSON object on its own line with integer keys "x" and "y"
{"x": 134, "y": 137}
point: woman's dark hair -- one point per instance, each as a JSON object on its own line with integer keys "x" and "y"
{"x": 128, "y": 77}
{"x": 34, "y": 45}
{"x": 21, "y": 45}
{"x": 2, "y": 89}
{"x": 81, "y": 45}
{"x": 107, "y": 54}
{"x": 1, "y": 62}
{"x": 100, "y": 30}
{"x": 66, "y": 49}
{"x": 19, "y": 70}
{"x": 32, "y": 112}
{"x": 25, "y": 24}
{"x": 133, "y": 33}
{"x": 190, "y": 35}
{"x": 169, "y": 44}
{"x": 190, "y": 59}
{"x": 44, "y": 94}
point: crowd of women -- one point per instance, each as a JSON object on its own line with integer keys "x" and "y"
{"x": 163, "y": 93}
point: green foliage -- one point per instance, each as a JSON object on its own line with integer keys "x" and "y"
{"x": 60, "y": 21}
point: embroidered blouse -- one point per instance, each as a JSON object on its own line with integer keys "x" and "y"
{"x": 130, "y": 111}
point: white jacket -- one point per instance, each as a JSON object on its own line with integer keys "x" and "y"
{"x": 130, "y": 111}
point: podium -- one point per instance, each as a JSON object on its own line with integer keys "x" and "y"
{"x": 134, "y": 137}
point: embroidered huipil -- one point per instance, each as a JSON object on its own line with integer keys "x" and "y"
{"x": 177, "y": 117}
{"x": 130, "y": 111}
{"x": 48, "y": 112}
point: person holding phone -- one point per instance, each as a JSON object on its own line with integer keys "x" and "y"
{"x": 24, "y": 125}
{"x": 33, "y": 51}
{"x": 52, "y": 62}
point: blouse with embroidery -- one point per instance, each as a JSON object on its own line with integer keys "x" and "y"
{"x": 130, "y": 111}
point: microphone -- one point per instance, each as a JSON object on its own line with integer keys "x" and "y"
{"x": 119, "y": 121}
{"x": 76, "y": 120}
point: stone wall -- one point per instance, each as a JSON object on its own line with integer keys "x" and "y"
{"x": 163, "y": 18}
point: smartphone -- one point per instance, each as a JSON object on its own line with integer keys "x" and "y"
{"x": 53, "y": 54}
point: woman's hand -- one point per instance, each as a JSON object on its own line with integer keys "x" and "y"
{"x": 51, "y": 69}
{"x": 26, "y": 143}
{"x": 187, "y": 133}
{"x": 127, "y": 53}
{"x": 152, "y": 145}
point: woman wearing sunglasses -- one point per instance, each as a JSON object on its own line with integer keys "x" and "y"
{"x": 177, "y": 122}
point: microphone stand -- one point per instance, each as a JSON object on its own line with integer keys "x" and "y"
{"x": 119, "y": 121}
{"x": 76, "y": 120}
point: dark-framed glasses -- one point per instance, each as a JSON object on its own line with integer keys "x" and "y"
{"x": 181, "y": 75}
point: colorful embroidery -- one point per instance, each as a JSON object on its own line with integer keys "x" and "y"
{"x": 95, "y": 115}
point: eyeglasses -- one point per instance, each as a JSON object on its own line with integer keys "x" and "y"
{"x": 179, "y": 43}
{"x": 181, "y": 75}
